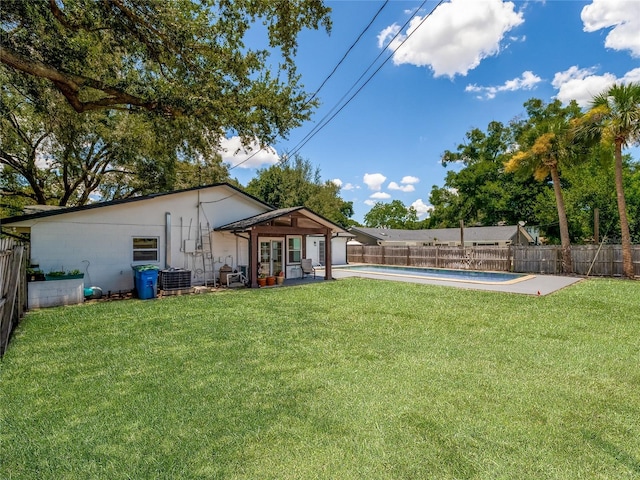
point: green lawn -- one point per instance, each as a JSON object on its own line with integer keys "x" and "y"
{"x": 352, "y": 379}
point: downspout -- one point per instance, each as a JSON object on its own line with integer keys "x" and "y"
{"x": 167, "y": 246}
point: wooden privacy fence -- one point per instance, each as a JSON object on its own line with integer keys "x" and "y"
{"x": 596, "y": 260}
{"x": 13, "y": 292}
{"x": 469, "y": 258}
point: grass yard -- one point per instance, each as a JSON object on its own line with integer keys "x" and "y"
{"x": 352, "y": 379}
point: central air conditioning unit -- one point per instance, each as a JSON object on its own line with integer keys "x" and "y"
{"x": 174, "y": 279}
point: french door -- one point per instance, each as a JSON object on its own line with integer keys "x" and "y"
{"x": 321, "y": 252}
{"x": 270, "y": 256}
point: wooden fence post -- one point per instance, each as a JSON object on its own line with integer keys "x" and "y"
{"x": 9, "y": 307}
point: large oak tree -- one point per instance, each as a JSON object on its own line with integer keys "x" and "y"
{"x": 179, "y": 58}
{"x": 121, "y": 97}
{"x": 50, "y": 155}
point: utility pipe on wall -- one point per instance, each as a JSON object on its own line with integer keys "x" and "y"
{"x": 167, "y": 245}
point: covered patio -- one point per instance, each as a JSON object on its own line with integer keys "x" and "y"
{"x": 277, "y": 242}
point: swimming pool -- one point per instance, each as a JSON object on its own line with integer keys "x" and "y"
{"x": 469, "y": 276}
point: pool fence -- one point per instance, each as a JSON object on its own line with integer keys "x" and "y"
{"x": 593, "y": 260}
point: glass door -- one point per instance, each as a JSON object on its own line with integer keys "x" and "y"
{"x": 270, "y": 257}
{"x": 276, "y": 257}
{"x": 321, "y": 252}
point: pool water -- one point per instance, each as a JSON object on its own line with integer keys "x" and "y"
{"x": 438, "y": 273}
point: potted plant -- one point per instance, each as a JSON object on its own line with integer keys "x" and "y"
{"x": 280, "y": 277}
{"x": 271, "y": 280}
{"x": 35, "y": 275}
{"x": 262, "y": 280}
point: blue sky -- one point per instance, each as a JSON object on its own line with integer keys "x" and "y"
{"x": 468, "y": 63}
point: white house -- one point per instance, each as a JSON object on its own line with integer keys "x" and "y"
{"x": 199, "y": 230}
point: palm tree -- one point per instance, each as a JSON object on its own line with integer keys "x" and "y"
{"x": 545, "y": 142}
{"x": 614, "y": 119}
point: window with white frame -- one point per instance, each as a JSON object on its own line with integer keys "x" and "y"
{"x": 294, "y": 249}
{"x": 145, "y": 249}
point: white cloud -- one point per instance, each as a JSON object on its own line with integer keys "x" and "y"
{"x": 380, "y": 196}
{"x": 235, "y": 153}
{"x": 402, "y": 188}
{"x": 582, "y": 84}
{"x": 620, "y": 17}
{"x": 374, "y": 180}
{"x": 422, "y": 209}
{"x": 371, "y": 203}
{"x": 409, "y": 180}
{"x": 387, "y": 34}
{"x": 527, "y": 81}
{"x": 456, "y": 37}
{"x": 632, "y": 76}
{"x": 345, "y": 186}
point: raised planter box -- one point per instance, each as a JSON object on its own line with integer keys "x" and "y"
{"x": 63, "y": 277}
{"x": 63, "y": 291}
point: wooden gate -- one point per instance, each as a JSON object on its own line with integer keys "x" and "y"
{"x": 13, "y": 290}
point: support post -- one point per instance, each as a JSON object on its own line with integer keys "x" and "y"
{"x": 327, "y": 254}
{"x": 253, "y": 258}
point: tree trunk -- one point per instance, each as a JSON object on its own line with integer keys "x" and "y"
{"x": 565, "y": 241}
{"x": 627, "y": 260}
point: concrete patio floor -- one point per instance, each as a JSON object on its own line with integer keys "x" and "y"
{"x": 536, "y": 285}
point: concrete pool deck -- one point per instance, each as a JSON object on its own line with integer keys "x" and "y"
{"x": 535, "y": 285}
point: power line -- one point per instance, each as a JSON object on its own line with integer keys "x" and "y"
{"x": 347, "y": 52}
{"x": 330, "y": 74}
{"x": 321, "y": 125}
{"x": 329, "y": 117}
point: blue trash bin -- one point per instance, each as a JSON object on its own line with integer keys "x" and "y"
{"x": 146, "y": 281}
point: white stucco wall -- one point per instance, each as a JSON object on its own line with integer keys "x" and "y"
{"x": 99, "y": 241}
{"x": 338, "y": 249}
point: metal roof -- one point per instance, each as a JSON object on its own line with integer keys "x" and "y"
{"x": 246, "y": 223}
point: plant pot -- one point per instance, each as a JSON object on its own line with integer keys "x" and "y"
{"x": 271, "y": 281}
{"x": 262, "y": 282}
{"x": 280, "y": 279}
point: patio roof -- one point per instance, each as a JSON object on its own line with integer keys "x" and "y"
{"x": 298, "y": 221}
{"x": 283, "y": 217}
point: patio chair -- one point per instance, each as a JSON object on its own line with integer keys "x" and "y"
{"x": 307, "y": 267}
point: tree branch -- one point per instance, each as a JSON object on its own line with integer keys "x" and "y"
{"x": 70, "y": 85}
{"x": 136, "y": 19}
